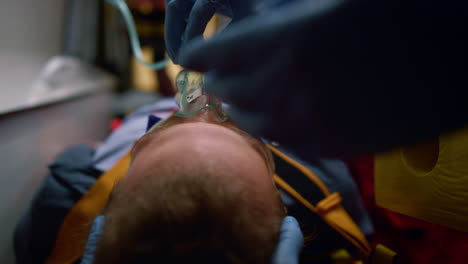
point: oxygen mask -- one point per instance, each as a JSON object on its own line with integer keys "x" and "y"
{"x": 192, "y": 99}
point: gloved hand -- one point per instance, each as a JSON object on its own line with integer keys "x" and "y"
{"x": 340, "y": 77}
{"x": 264, "y": 67}
{"x": 290, "y": 242}
{"x": 186, "y": 19}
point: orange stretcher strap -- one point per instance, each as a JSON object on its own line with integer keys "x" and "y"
{"x": 301, "y": 168}
{"x": 329, "y": 209}
{"x": 71, "y": 238}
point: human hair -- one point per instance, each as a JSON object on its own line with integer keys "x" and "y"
{"x": 196, "y": 212}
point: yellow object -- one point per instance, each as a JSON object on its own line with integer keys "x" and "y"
{"x": 334, "y": 214}
{"x": 172, "y": 70}
{"x": 382, "y": 254}
{"x": 342, "y": 256}
{"x": 428, "y": 181}
{"x": 329, "y": 209}
{"x": 144, "y": 78}
{"x": 71, "y": 239}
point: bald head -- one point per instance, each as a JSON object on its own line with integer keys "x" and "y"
{"x": 195, "y": 146}
{"x": 194, "y": 191}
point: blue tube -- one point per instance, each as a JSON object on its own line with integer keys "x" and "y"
{"x": 134, "y": 41}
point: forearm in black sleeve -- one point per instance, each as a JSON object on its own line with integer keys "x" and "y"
{"x": 395, "y": 72}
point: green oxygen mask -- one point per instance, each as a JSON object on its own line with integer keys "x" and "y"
{"x": 192, "y": 99}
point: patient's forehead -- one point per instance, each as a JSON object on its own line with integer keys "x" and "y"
{"x": 190, "y": 132}
{"x": 204, "y": 124}
{"x": 195, "y": 138}
{"x": 200, "y": 142}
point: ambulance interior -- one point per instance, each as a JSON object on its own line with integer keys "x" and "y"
{"x": 68, "y": 77}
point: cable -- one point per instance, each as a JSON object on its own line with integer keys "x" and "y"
{"x": 133, "y": 35}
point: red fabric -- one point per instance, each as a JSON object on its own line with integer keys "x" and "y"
{"x": 147, "y": 4}
{"x": 115, "y": 123}
{"x": 416, "y": 241}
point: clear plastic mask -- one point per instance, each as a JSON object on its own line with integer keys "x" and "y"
{"x": 192, "y": 99}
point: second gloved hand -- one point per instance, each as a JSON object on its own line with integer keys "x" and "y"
{"x": 290, "y": 242}
{"x": 187, "y": 19}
